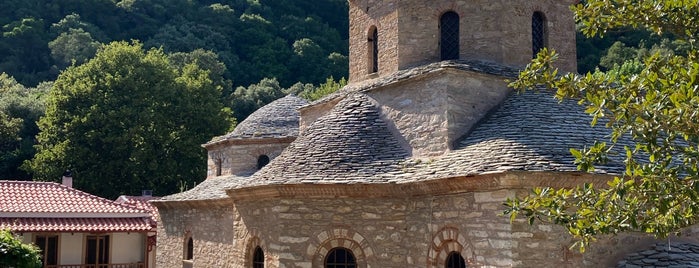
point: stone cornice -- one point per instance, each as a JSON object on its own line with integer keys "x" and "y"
{"x": 204, "y": 203}
{"x": 246, "y": 141}
{"x": 444, "y": 186}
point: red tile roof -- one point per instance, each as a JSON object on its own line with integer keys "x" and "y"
{"x": 51, "y": 197}
{"x": 76, "y": 224}
{"x": 52, "y": 207}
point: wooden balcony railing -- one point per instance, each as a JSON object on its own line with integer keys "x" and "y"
{"x": 111, "y": 265}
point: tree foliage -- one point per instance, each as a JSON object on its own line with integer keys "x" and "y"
{"x": 129, "y": 120}
{"x": 14, "y": 253}
{"x": 656, "y": 107}
{"x": 20, "y": 109}
{"x": 254, "y": 39}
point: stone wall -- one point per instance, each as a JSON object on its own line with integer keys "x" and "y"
{"x": 211, "y": 227}
{"x": 433, "y": 111}
{"x": 395, "y": 230}
{"x": 383, "y": 15}
{"x": 409, "y": 32}
{"x": 240, "y": 157}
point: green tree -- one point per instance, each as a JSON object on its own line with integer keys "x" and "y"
{"x": 20, "y": 108}
{"x": 128, "y": 120}
{"x": 657, "y": 109}
{"x": 246, "y": 100}
{"x": 14, "y": 253}
{"x": 76, "y": 46}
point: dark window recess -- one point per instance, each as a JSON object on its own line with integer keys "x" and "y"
{"x": 48, "y": 244}
{"x": 449, "y": 36}
{"x": 258, "y": 259}
{"x": 262, "y": 161}
{"x": 97, "y": 251}
{"x": 455, "y": 260}
{"x": 340, "y": 258}
{"x": 190, "y": 249}
{"x": 374, "y": 46}
{"x": 538, "y": 33}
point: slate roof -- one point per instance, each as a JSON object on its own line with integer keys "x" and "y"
{"x": 349, "y": 144}
{"x": 51, "y": 207}
{"x": 529, "y": 132}
{"x": 278, "y": 119}
{"x": 484, "y": 67}
{"x": 677, "y": 255}
{"x": 210, "y": 189}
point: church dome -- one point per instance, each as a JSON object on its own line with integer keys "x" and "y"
{"x": 350, "y": 144}
{"x": 278, "y": 119}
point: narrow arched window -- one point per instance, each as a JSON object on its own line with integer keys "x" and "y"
{"x": 189, "y": 254}
{"x": 262, "y": 161}
{"x": 340, "y": 258}
{"x": 373, "y": 48}
{"x": 449, "y": 35}
{"x": 538, "y": 32}
{"x": 258, "y": 258}
{"x": 455, "y": 260}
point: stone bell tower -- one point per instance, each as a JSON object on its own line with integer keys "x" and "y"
{"x": 391, "y": 35}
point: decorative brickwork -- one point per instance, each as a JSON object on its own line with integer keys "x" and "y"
{"x": 339, "y": 237}
{"x": 448, "y": 240}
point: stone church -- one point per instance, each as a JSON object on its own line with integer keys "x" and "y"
{"x": 409, "y": 164}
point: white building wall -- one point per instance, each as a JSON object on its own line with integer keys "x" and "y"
{"x": 71, "y": 248}
{"x": 128, "y": 247}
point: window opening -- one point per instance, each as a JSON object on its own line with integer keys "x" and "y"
{"x": 340, "y": 258}
{"x": 48, "y": 244}
{"x": 262, "y": 161}
{"x": 538, "y": 32}
{"x": 449, "y": 35}
{"x": 97, "y": 251}
{"x": 258, "y": 259}
{"x": 373, "y": 50}
{"x": 189, "y": 255}
{"x": 455, "y": 260}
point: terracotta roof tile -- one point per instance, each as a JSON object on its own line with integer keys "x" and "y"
{"x": 51, "y": 197}
{"x": 76, "y": 224}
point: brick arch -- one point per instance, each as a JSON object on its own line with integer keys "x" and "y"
{"x": 253, "y": 240}
{"x": 445, "y": 241}
{"x": 324, "y": 241}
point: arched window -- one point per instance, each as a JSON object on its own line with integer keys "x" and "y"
{"x": 340, "y": 258}
{"x": 189, "y": 254}
{"x": 373, "y": 47}
{"x": 262, "y": 161}
{"x": 258, "y": 258}
{"x": 455, "y": 260}
{"x": 449, "y": 35}
{"x": 538, "y": 32}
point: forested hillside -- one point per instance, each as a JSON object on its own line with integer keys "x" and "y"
{"x": 291, "y": 40}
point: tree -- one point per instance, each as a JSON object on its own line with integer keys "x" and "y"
{"x": 20, "y": 108}
{"x": 14, "y": 253}
{"x": 657, "y": 109}
{"x": 128, "y": 120}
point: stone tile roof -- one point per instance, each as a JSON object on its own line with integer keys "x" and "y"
{"x": 51, "y": 207}
{"x": 351, "y": 143}
{"x": 530, "y": 132}
{"x": 51, "y": 197}
{"x": 210, "y": 189}
{"x": 664, "y": 255}
{"x": 278, "y": 119}
{"x": 483, "y": 67}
